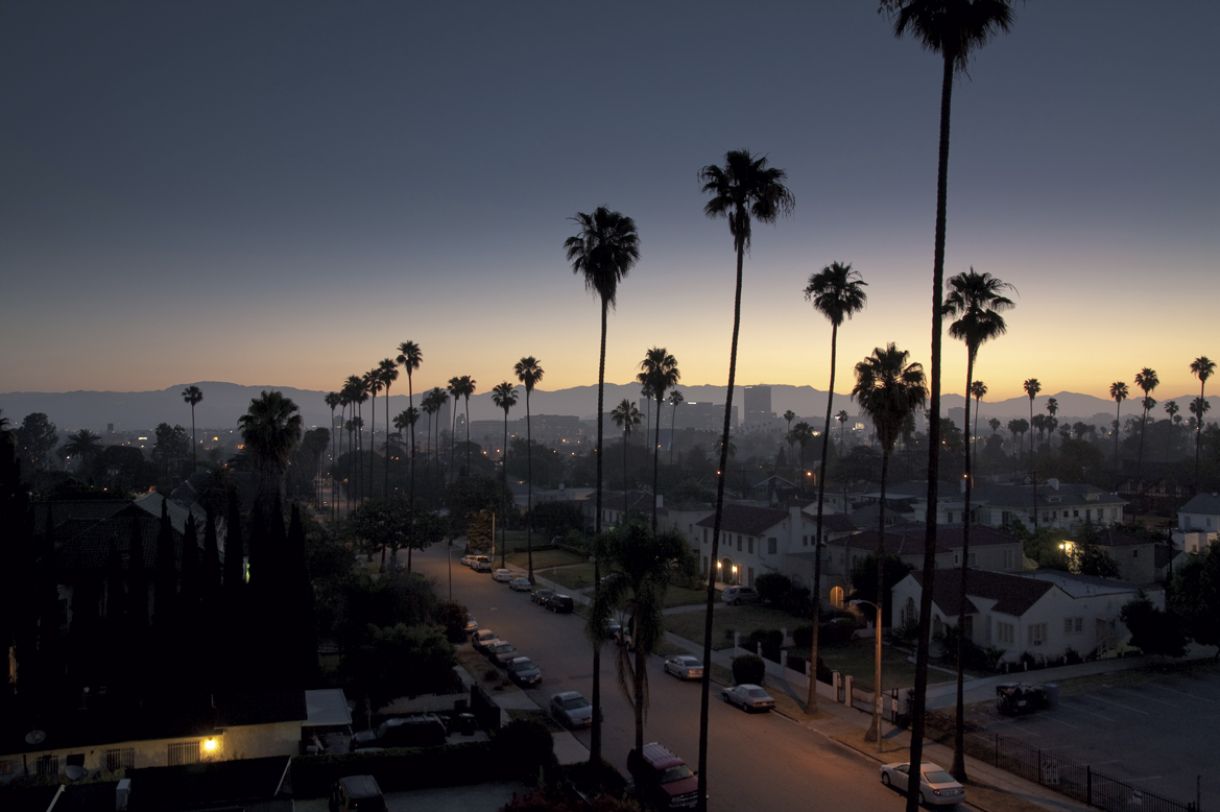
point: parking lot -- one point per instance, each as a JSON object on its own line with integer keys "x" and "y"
{"x": 1154, "y": 730}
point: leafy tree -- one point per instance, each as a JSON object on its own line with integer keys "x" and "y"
{"x": 35, "y": 438}
{"x": 401, "y": 660}
{"x": 1195, "y": 596}
{"x": 864, "y": 578}
{"x": 452, "y": 618}
{"x": 773, "y": 587}
{"x": 381, "y": 523}
{"x": 1153, "y": 631}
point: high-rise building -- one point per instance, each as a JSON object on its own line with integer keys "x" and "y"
{"x": 758, "y": 407}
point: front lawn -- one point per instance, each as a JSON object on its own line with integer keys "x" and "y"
{"x": 546, "y": 558}
{"x": 729, "y": 619}
{"x": 577, "y": 577}
{"x": 856, "y": 658}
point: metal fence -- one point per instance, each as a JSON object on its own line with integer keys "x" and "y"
{"x": 1077, "y": 781}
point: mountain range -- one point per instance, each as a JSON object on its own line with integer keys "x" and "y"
{"x": 224, "y": 402}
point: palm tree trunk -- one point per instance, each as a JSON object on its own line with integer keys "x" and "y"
{"x": 529, "y": 491}
{"x": 411, "y": 411}
{"x": 595, "y": 733}
{"x": 1033, "y": 469}
{"x": 466, "y": 398}
{"x": 373, "y": 454}
{"x": 874, "y": 731}
{"x": 811, "y": 699}
{"x": 333, "y": 462}
{"x": 656, "y": 463}
{"x": 973, "y": 461}
{"x": 1198, "y": 435}
{"x": 959, "y": 725}
{"x": 452, "y": 440}
{"x": 706, "y": 683}
{"x": 1139, "y": 460}
{"x": 1118, "y": 416}
{"x": 504, "y": 480}
{"x": 929, "y": 560}
{"x": 194, "y": 460}
{"x": 626, "y": 437}
{"x": 639, "y": 685}
{"x": 385, "y": 484}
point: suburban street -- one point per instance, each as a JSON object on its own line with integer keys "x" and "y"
{"x": 761, "y": 761}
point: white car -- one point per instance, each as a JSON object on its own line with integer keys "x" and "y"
{"x": 468, "y": 560}
{"x": 502, "y": 575}
{"x": 936, "y": 787}
{"x": 572, "y": 709}
{"x": 748, "y": 697}
{"x": 520, "y": 585}
{"x": 684, "y": 666}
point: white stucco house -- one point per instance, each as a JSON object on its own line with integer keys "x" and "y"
{"x": 1198, "y": 523}
{"x": 1042, "y": 614}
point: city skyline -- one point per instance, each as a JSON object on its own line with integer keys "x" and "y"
{"x": 339, "y": 182}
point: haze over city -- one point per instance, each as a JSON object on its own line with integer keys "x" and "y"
{"x": 232, "y": 192}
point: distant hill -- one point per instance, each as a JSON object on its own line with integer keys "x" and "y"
{"x": 223, "y": 403}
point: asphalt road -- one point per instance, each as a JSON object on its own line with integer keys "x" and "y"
{"x": 755, "y": 761}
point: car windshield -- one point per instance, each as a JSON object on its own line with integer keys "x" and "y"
{"x": 689, "y": 661}
{"x": 939, "y": 777}
{"x": 676, "y": 774}
{"x": 573, "y": 703}
{"x": 757, "y": 693}
{"x": 521, "y": 664}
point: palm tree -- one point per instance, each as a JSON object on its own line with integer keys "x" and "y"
{"x": 976, "y": 300}
{"x": 627, "y": 417}
{"x": 842, "y": 418}
{"x": 837, "y": 292}
{"x": 1119, "y": 392}
{"x": 529, "y": 372}
{"x": 1052, "y": 409}
{"x": 603, "y": 251}
{"x": 83, "y": 444}
{"x": 389, "y": 373}
{"x": 978, "y": 390}
{"x": 504, "y": 395}
{"x": 643, "y": 566}
{"x": 954, "y": 29}
{"x": 332, "y": 400}
{"x": 659, "y": 374}
{"x": 744, "y": 189}
{"x": 356, "y": 395}
{"x": 411, "y": 357}
{"x": 675, "y": 400}
{"x": 1032, "y": 387}
{"x": 1147, "y": 380}
{"x": 1172, "y": 409}
{"x": 270, "y": 429}
{"x": 789, "y": 416}
{"x": 192, "y": 395}
{"x": 994, "y": 424}
{"x": 802, "y": 435}
{"x": 890, "y": 390}
{"x": 468, "y": 389}
{"x": 1202, "y": 368}
{"x": 454, "y": 388}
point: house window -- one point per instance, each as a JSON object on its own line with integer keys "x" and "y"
{"x": 972, "y": 559}
{"x": 739, "y": 542}
{"x": 1079, "y": 625}
{"x": 183, "y": 753}
{"x": 750, "y": 547}
{"x": 1075, "y": 514}
{"x": 47, "y": 766}
{"x": 1067, "y": 625}
{"x": 772, "y": 545}
{"x": 1004, "y": 632}
{"x": 1037, "y": 634}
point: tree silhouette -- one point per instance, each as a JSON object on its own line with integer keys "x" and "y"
{"x": 504, "y": 395}
{"x": 627, "y": 417}
{"x": 271, "y": 428}
{"x": 1146, "y": 379}
{"x": 529, "y": 371}
{"x": 675, "y": 400}
{"x": 192, "y": 395}
{"x": 1202, "y": 368}
{"x": 411, "y": 357}
{"x": 744, "y": 189}
{"x": 659, "y": 374}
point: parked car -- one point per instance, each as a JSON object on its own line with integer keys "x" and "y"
{"x": 481, "y": 638}
{"x": 541, "y": 596}
{"x": 357, "y": 793}
{"x": 1017, "y": 699}
{"x": 524, "y": 672}
{"x": 468, "y": 560}
{"x": 748, "y": 697}
{"x": 561, "y": 604}
{"x": 936, "y": 787}
{"x": 684, "y": 666}
{"x": 572, "y": 709}
{"x": 481, "y": 564}
{"x": 662, "y": 779}
{"x": 614, "y": 629}
{"x": 502, "y": 575}
{"x": 472, "y": 625}
{"x": 733, "y": 595}
{"x": 520, "y": 585}
{"x": 500, "y": 652}
{"x": 424, "y": 730}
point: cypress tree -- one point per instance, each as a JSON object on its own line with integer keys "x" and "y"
{"x": 209, "y": 573}
{"x": 137, "y": 581}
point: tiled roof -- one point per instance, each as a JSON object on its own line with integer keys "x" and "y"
{"x": 1202, "y": 503}
{"x": 752, "y": 521}
{"x": 1013, "y": 594}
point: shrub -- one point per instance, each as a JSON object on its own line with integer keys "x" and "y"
{"x": 452, "y": 618}
{"x": 802, "y": 636}
{"x": 523, "y": 747}
{"x": 766, "y": 642}
{"x": 798, "y": 602}
{"x": 773, "y": 587}
{"x": 749, "y": 668}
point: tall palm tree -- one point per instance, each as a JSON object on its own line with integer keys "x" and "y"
{"x": 1202, "y": 368}
{"x": 270, "y": 429}
{"x": 1032, "y": 387}
{"x": 802, "y": 435}
{"x": 837, "y": 292}
{"x": 468, "y": 389}
{"x": 659, "y": 373}
{"x": 890, "y": 390}
{"x": 627, "y": 417}
{"x": 333, "y": 400}
{"x": 504, "y": 395}
{"x": 789, "y": 416}
{"x": 675, "y": 400}
{"x": 1172, "y": 409}
{"x": 356, "y": 395}
{"x": 411, "y": 357}
{"x": 1146, "y": 379}
{"x": 744, "y": 189}
{"x": 842, "y": 418}
{"x": 529, "y": 371}
{"x": 374, "y": 383}
{"x": 604, "y": 249}
{"x": 643, "y": 565}
{"x": 192, "y": 395}
{"x": 976, "y": 300}
{"x": 83, "y": 444}
{"x": 1119, "y": 392}
{"x": 953, "y": 29}
{"x": 454, "y": 388}
{"x": 1052, "y": 409}
{"x": 389, "y": 373}
{"x": 978, "y": 390}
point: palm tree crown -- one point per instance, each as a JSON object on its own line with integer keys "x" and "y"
{"x": 976, "y": 300}
{"x": 603, "y": 251}
{"x": 745, "y": 189}
{"x": 192, "y": 395}
{"x": 837, "y": 292}
{"x": 951, "y": 28}
{"x": 659, "y": 373}
{"x": 1119, "y": 391}
{"x": 889, "y": 390}
{"x": 529, "y": 372}
{"x": 271, "y": 428}
{"x": 504, "y": 395}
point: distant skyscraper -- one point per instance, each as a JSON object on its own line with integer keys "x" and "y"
{"x": 758, "y": 407}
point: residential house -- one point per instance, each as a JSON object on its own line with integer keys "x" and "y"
{"x": 1140, "y": 558}
{"x": 1044, "y": 615}
{"x": 1198, "y": 523}
{"x": 1061, "y": 505}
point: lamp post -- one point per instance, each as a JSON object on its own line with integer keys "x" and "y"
{"x": 875, "y": 730}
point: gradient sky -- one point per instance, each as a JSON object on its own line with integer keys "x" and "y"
{"x": 280, "y": 193}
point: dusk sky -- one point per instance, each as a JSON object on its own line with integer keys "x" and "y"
{"x": 280, "y": 193}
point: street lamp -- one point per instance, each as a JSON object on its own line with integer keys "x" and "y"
{"x": 875, "y": 729}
